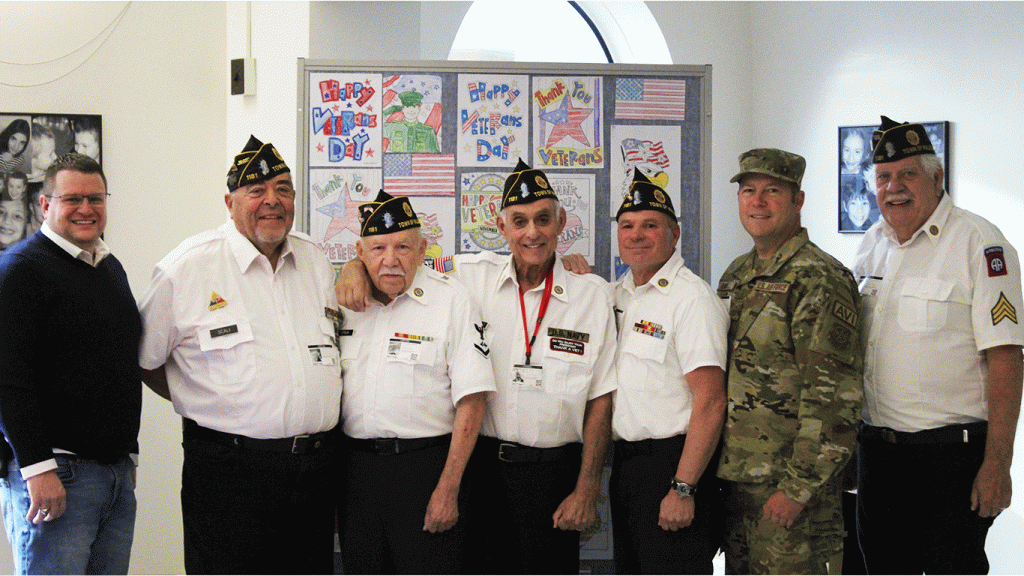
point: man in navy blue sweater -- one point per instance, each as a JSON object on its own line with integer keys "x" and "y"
{"x": 70, "y": 388}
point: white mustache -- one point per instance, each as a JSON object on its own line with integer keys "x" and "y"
{"x": 392, "y": 271}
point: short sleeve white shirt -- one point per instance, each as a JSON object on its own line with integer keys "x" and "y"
{"x": 668, "y": 327}
{"x": 575, "y": 346}
{"x": 248, "y": 349}
{"x": 930, "y": 307}
{"x": 407, "y": 364}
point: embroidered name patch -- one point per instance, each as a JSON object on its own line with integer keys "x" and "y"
{"x": 571, "y": 346}
{"x": 1003, "y": 310}
{"x": 233, "y": 329}
{"x": 649, "y": 328}
{"x": 569, "y": 334}
{"x": 779, "y": 287}
{"x": 996, "y": 261}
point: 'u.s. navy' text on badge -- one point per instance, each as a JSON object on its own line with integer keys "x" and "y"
{"x": 569, "y": 334}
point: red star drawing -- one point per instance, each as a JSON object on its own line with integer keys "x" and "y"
{"x": 335, "y": 107}
{"x": 320, "y": 147}
{"x": 369, "y": 152}
{"x": 566, "y": 123}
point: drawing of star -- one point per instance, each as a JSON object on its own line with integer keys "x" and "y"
{"x": 369, "y": 152}
{"x": 566, "y": 120}
{"x": 465, "y": 181}
{"x": 320, "y": 147}
{"x": 369, "y": 108}
{"x": 335, "y": 108}
{"x": 342, "y": 217}
{"x": 349, "y": 105}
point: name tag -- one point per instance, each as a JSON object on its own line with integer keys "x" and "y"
{"x": 224, "y": 331}
{"x": 323, "y": 354}
{"x": 528, "y": 377}
{"x": 406, "y": 350}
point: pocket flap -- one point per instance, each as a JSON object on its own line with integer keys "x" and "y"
{"x": 225, "y": 334}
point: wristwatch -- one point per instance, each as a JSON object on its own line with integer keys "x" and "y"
{"x": 682, "y": 488}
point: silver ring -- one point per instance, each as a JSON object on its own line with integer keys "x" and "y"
{"x": 44, "y": 511}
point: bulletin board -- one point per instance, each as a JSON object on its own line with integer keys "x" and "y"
{"x": 447, "y": 134}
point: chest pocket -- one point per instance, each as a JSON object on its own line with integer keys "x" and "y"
{"x": 403, "y": 360}
{"x": 646, "y": 361}
{"x": 566, "y": 369}
{"x": 229, "y": 350}
{"x": 926, "y": 303}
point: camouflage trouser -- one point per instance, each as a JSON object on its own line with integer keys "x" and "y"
{"x": 754, "y": 545}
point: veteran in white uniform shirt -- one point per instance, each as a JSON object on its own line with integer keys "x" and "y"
{"x": 670, "y": 405}
{"x": 941, "y": 294}
{"x": 239, "y": 333}
{"x": 416, "y": 363}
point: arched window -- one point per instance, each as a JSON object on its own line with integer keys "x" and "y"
{"x": 545, "y": 31}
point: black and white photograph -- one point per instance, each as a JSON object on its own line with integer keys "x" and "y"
{"x": 29, "y": 143}
{"x": 858, "y": 206}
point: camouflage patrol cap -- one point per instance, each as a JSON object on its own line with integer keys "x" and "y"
{"x": 893, "y": 141}
{"x": 255, "y": 163}
{"x": 387, "y": 214}
{"x": 526, "y": 185}
{"x": 772, "y": 162}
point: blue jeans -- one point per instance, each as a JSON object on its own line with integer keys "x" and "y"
{"x": 94, "y": 536}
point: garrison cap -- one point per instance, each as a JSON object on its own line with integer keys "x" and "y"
{"x": 772, "y": 162}
{"x": 255, "y": 163}
{"x": 645, "y": 195}
{"x": 526, "y": 185}
{"x": 893, "y": 141}
{"x": 387, "y": 214}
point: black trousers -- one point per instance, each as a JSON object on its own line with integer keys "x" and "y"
{"x": 383, "y": 505}
{"x": 640, "y": 480}
{"x": 248, "y": 511}
{"x": 510, "y": 528}
{"x": 914, "y": 505}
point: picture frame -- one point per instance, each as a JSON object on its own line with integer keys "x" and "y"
{"x": 858, "y": 206}
{"x": 38, "y": 139}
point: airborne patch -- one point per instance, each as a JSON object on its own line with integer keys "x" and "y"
{"x": 1003, "y": 310}
{"x": 778, "y": 287}
{"x": 996, "y": 261}
{"x": 845, "y": 313}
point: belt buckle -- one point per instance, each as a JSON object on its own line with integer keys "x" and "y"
{"x": 501, "y": 451}
{"x": 298, "y": 442}
{"x": 889, "y": 435}
{"x": 385, "y": 446}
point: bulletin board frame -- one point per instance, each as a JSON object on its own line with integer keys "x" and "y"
{"x": 588, "y": 126}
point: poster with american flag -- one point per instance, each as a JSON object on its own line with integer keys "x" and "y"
{"x": 419, "y": 174}
{"x": 650, "y": 99}
{"x": 654, "y": 150}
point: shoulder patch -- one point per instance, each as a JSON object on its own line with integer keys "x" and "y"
{"x": 996, "y": 261}
{"x": 1003, "y": 310}
{"x": 844, "y": 313}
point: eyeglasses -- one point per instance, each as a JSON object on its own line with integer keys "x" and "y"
{"x": 77, "y": 199}
{"x": 257, "y": 192}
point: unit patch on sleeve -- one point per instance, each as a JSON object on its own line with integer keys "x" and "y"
{"x": 1003, "y": 310}
{"x": 996, "y": 261}
{"x": 844, "y": 313}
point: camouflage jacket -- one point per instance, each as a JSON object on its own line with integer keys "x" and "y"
{"x": 795, "y": 369}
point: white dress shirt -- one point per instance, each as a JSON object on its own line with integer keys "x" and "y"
{"x": 249, "y": 350}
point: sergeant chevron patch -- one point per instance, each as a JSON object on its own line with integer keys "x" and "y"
{"x": 1003, "y": 309}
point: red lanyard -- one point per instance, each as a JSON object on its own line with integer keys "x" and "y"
{"x": 540, "y": 313}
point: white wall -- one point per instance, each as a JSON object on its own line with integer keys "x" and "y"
{"x": 820, "y": 65}
{"x": 160, "y": 83}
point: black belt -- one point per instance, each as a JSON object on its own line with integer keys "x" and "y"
{"x": 517, "y": 453}
{"x": 386, "y": 446}
{"x": 953, "y": 434}
{"x": 302, "y": 444}
{"x": 671, "y": 446}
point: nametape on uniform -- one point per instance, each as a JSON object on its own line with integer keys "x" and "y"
{"x": 1003, "y": 310}
{"x": 569, "y": 334}
{"x": 779, "y": 287}
{"x": 996, "y": 261}
{"x": 571, "y": 346}
{"x": 224, "y": 331}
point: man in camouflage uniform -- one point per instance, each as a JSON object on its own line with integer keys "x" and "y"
{"x": 794, "y": 382}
